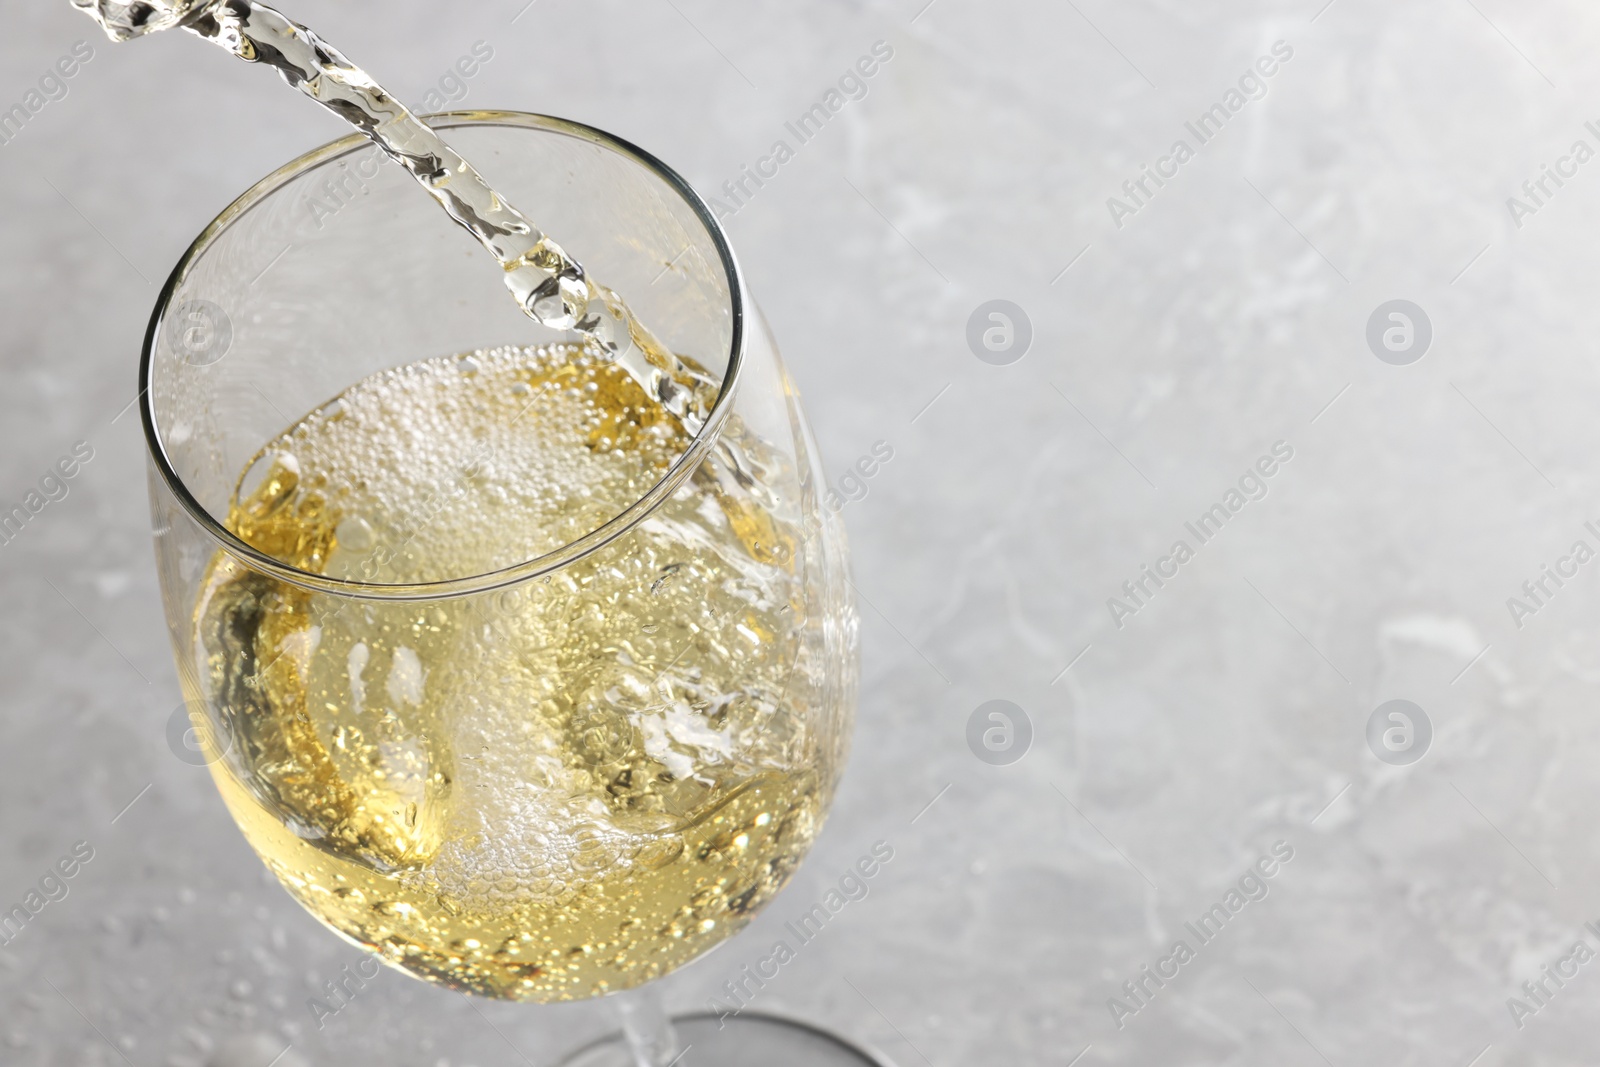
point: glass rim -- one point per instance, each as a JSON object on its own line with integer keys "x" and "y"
{"x": 545, "y": 563}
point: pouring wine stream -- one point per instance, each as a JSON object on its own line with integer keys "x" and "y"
{"x": 547, "y": 283}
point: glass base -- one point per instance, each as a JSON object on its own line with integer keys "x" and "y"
{"x": 737, "y": 1041}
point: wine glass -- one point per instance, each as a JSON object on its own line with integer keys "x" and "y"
{"x": 529, "y": 729}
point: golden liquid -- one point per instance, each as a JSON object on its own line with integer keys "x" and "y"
{"x": 562, "y": 789}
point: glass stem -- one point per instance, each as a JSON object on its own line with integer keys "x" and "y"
{"x": 649, "y": 1029}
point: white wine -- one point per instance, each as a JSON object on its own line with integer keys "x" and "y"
{"x": 558, "y": 790}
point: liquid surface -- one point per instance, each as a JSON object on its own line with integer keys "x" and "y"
{"x": 550, "y": 792}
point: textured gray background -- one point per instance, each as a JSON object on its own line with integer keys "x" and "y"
{"x": 1227, "y": 715}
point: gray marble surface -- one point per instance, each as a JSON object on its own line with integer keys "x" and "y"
{"x": 1175, "y": 341}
